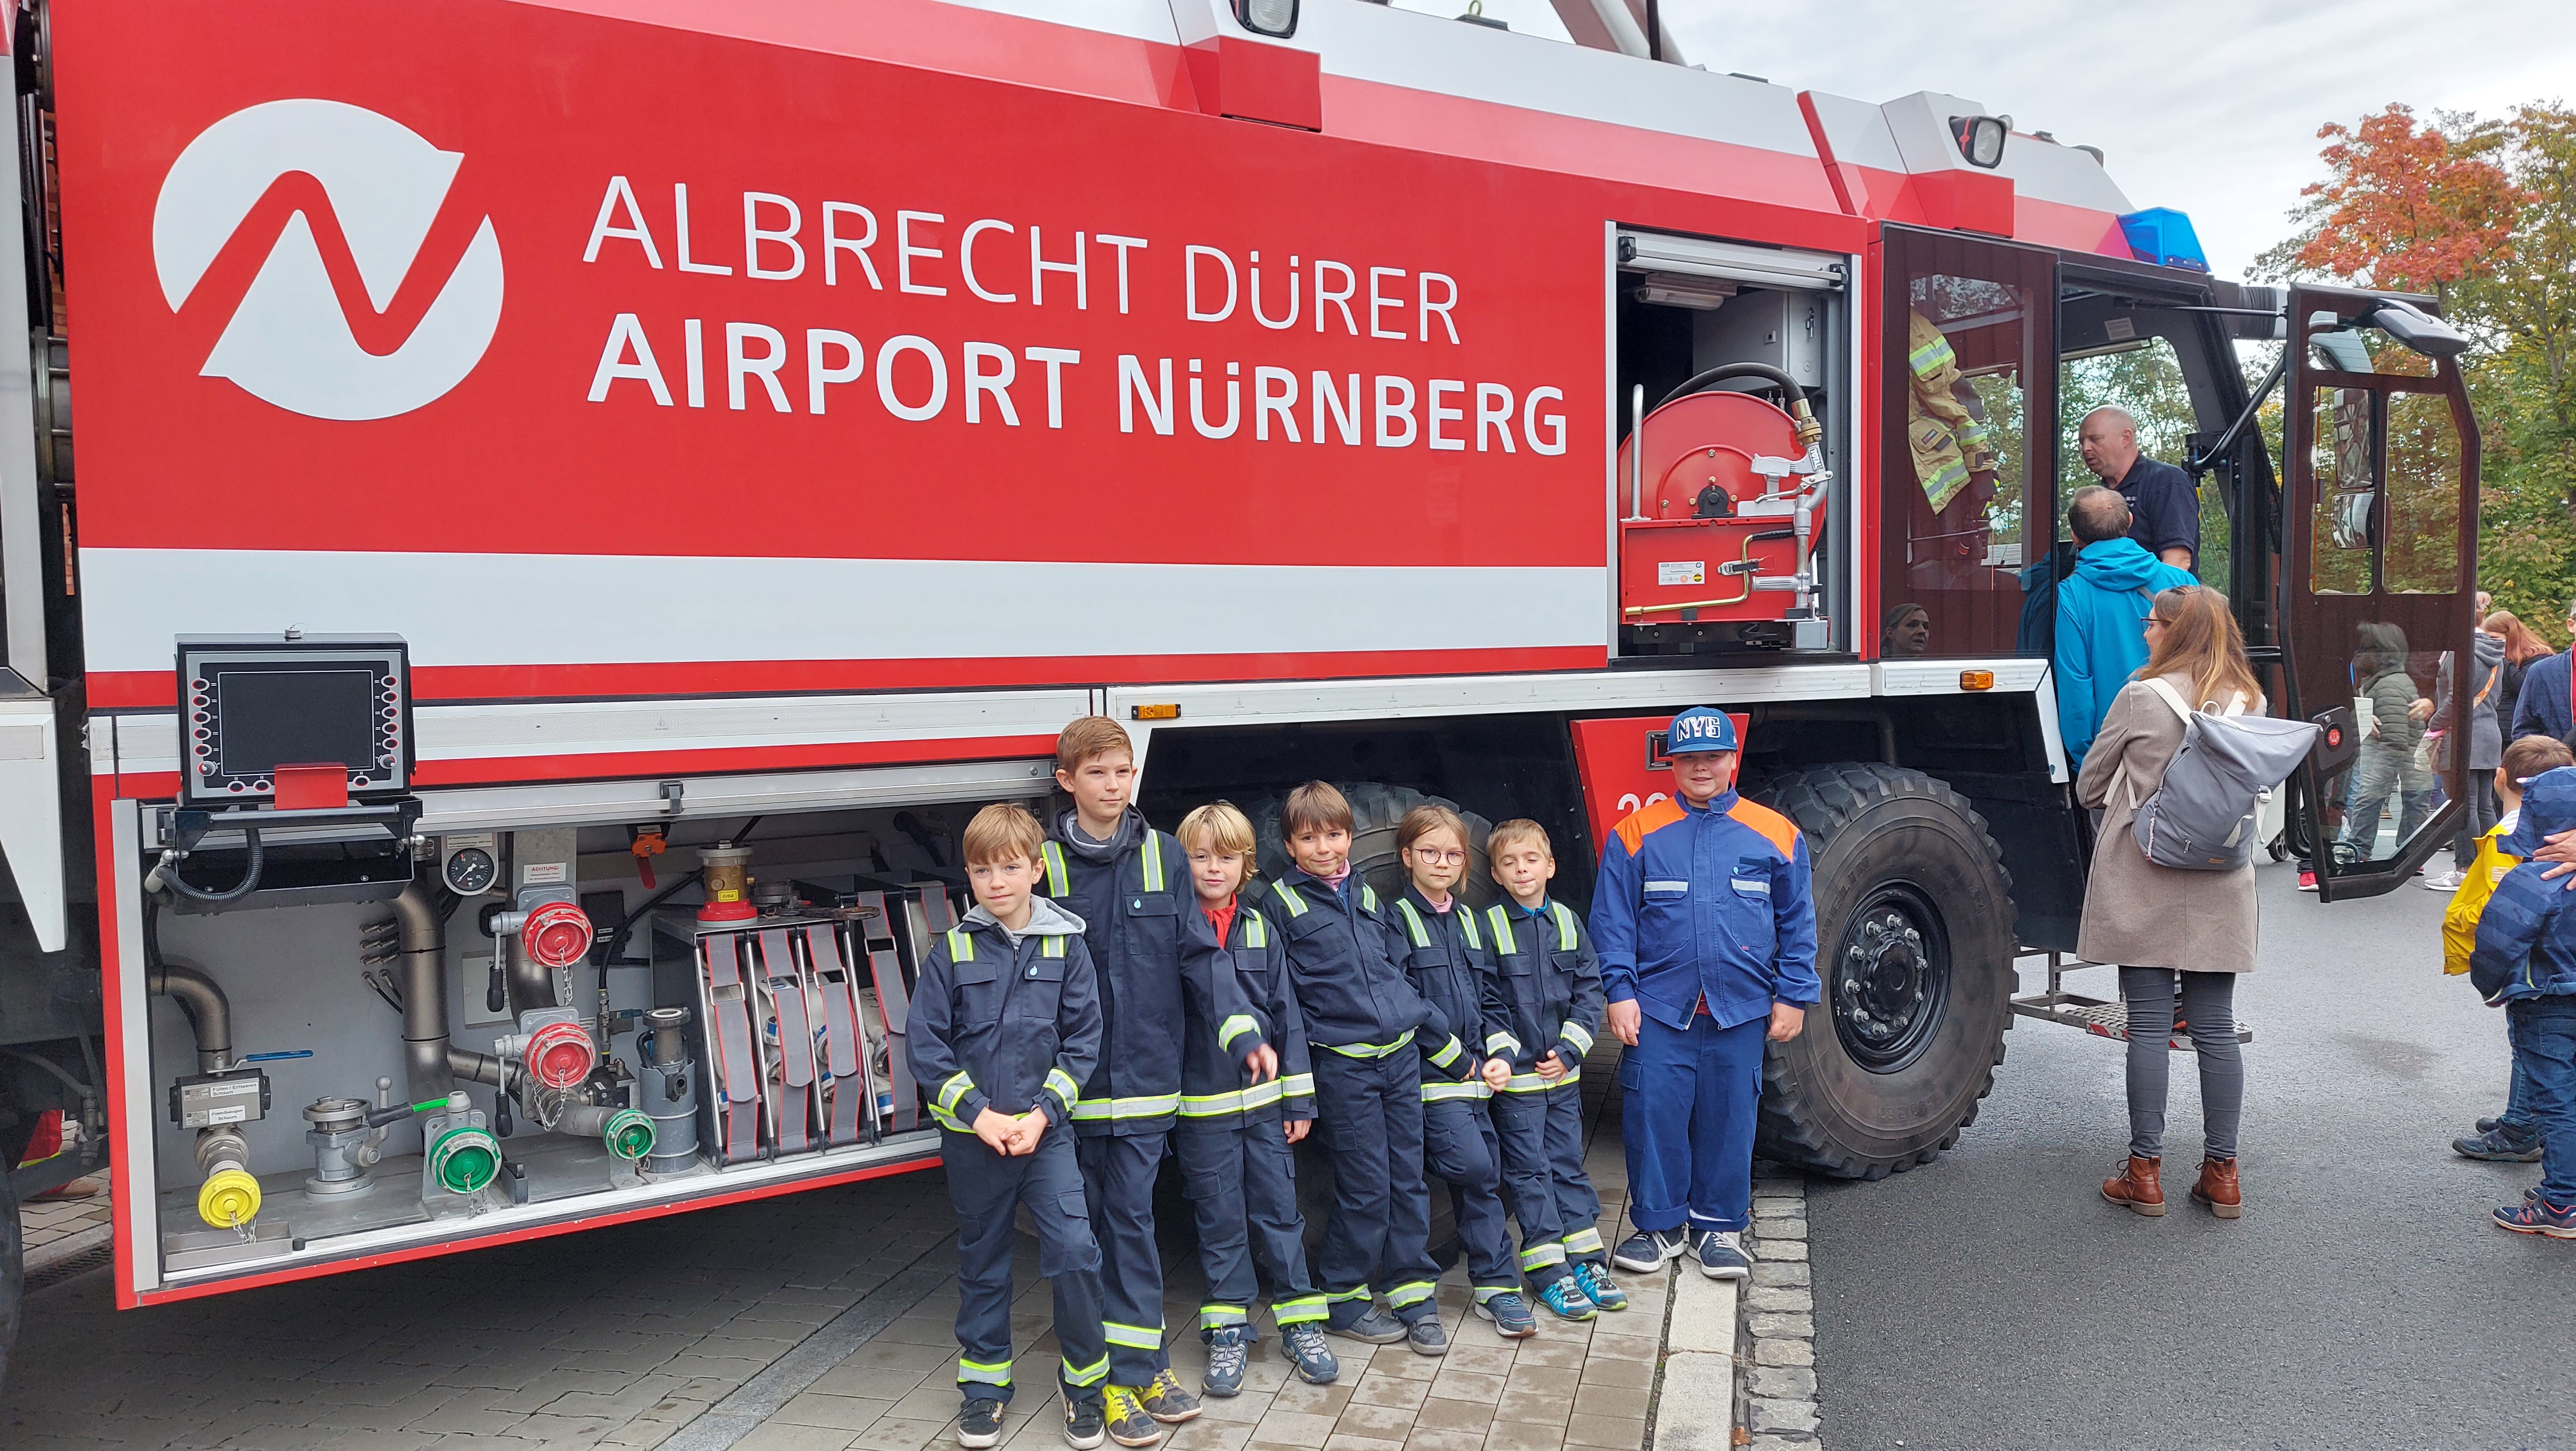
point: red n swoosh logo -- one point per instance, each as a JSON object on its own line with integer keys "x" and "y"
{"x": 219, "y": 291}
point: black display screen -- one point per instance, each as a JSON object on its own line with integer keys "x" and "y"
{"x": 274, "y": 716}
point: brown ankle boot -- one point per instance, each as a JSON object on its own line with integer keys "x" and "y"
{"x": 2138, "y": 1185}
{"x": 2218, "y": 1188}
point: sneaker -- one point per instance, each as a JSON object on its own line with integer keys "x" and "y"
{"x": 1510, "y": 1314}
{"x": 1427, "y": 1337}
{"x": 1650, "y": 1250}
{"x": 2447, "y": 882}
{"x": 2535, "y": 1215}
{"x": 980, "y": 1424}
{"x": 1721, "y": 1255}
{"x": 1566, "y": 1299}
{"x": 1308, "y": 1352}
{"x": 1598, "y": 1287}
{"x": 1125, "y": 1414}
{"x": 1372, "y": 1325}
{"x": 1165, "y": 1401}
{"x": 2502, "y": 1145}
{"x": 1082, "y": 1424}
{"x": 2307, "y": 881}
{"x": 1227, "y": 1353}
{"x": 2488, "y": 1125}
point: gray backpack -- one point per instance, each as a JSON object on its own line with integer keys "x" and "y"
{"x": 2201, "y": 816}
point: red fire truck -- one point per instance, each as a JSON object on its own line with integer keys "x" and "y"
{"x": 577, "y": 501}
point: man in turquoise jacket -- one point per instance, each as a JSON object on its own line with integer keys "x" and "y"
{"x": 2102, "y": 612}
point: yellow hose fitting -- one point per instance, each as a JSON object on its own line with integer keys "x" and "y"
{"x": 228, "y": 1198}
{"x": 1810, "y": 432}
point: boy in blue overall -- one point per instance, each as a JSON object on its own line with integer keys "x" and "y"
{"x": 1237, "y": 1125}
{"x": 1706, "y": 925}
{"x": 1552, "y": 992}
{"x": 2525, "y": 960}
{"x": 1362, "y": 1017}
{"x": 1130, "y": 883}
{"x": 1005, "y": 1023}
{"x": 1445, "y": 956}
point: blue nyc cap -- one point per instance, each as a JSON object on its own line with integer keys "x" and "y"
{"x": 1700, "y": 728}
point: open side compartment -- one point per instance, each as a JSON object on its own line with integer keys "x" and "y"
{"x": 1732, "y": 414}
{"x": 543, "y": 1023}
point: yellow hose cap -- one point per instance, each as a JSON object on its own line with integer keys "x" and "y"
{"x": 227, "y": 1198}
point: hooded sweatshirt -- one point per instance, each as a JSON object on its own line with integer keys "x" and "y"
{"x": 2101, "y": 632}
{"x": 2527, "y": 936}
{"x": 2486, "y": 691}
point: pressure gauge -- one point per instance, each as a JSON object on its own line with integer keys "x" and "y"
{"x": 470, "y": 865}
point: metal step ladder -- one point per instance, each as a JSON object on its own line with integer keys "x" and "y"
{"x": 2101, "y": 1017}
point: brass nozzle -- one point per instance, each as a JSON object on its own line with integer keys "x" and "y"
{"x": 1810, "y": 432}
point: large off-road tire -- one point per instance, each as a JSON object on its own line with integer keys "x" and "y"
{"x": 1375, "y": 812}
{"x": 1914, "y": 943}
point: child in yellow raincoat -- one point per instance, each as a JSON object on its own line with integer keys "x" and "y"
{"x": 2512, "y": 1137}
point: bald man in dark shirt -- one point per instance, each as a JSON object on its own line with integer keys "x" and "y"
{"x": 2164, "y": 508}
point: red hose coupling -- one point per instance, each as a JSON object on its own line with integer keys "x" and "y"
{"x": 556, "y": 934}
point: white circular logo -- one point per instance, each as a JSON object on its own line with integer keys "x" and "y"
{"x": 289, "y": 341}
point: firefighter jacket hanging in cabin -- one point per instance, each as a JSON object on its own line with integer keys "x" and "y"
{"x": 1945, "y": 421}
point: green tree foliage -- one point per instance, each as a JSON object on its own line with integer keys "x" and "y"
{"x": 2484, "y": 215}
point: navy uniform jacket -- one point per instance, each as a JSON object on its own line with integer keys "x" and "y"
{"x": 1551, "y": 982}
{"x": 1003, "y": 1027}
{"x": 1215, "y": 1086}
{"x": 1446, "y": 957}
{"x": 1134, "y": 904}
{"x": 1344, "y": 966}
{"x": 1706, "y": 905}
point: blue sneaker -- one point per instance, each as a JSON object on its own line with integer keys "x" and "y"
{"x": 1567, "y": 1300}
{"x": 1314, "y": 1360}
{"x": 2501, "y": 1145}
{"x": 1650, "y": 1250}
{"x": 1510, "y": 1314}
{"x": 2535, "y": 1215}
{"x": 1721, "y": 1255}
{"x": 1599, "y": 1287}
{"x": 1228, "y": 1350}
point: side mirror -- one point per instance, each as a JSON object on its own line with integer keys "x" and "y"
{"x": 2419, "y": 331}
{"x": 1980, "y": 138}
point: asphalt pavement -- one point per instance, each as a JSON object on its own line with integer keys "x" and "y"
{"x": 1992, "y": 1299}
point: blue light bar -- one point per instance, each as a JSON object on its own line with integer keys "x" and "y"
{"x": 2164, "y": 236}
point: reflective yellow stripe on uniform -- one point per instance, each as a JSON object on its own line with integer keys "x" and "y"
{"x": 1446, "y": 1054}
{"x": 1086, "y": 1375}
{"x": 1296, "y": 1085}
{"x": 1300, "y": 1311}
{"x": 1573, "y": 1033}
{"x": 1373, "y": 1050}
{"x": 1502, "y": 921}
{"x": 1233, "y": 1028}
{"x": 1413, "y": 924}
{"x": 1467, "y": 925}
{"x": 1928, "y": 360}
{"x": 1546, "y": 1254}
{"x": 1151, "y": 859}
{"x": 1241, "y": 1100}
{"x": 1288, "y": 898}
{"x": 1256, "y": 933}
{"x": 1134, "y": 1337}
{"x": 1411, "y": 1292}
{"x": 1532, "y": 1083}
{"x": 1339, "y": 1297}
{"x": 1051, "y": 947}
{"x": 1212, "y": 1317}
{"x": 1564, "y": 926}
{"x": 1061, "y": 1084}
{"x": 1495, "y": 1043}
{"x": 1103, "y": 1110}
{"x": 961, "y": 945}
{"x": 1583, "y": 1242}
{"x": 976, "y": 1372}
{"x": 1368, "y": 897}
{"x": 1444, "y": 1092}
{"x": 1059, "y": 883}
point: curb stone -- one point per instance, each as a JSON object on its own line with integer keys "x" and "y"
{"x": 1775, "y": 1379}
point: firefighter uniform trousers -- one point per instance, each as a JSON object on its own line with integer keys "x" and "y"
{"x": 1540, "y": 1130}
{"x": 987, "y": 1188}
{"x": 1242, "y": 1183}
{"x": 1458, "y": 1141}
{"x": 1369, "y": 1112}
{"x": 1117, "y": 1172}
{"x": 1696, "y": 1169}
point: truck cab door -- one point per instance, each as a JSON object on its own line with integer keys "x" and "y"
{"x": 2379, "y": 569}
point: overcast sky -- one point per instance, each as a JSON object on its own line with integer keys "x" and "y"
{"x": 2211, "y": 106}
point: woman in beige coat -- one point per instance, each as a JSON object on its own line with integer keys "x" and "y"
{"x": 2163, "y": 924}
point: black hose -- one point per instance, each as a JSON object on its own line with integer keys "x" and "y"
{"x": 1724, "y": 371}
{"x": 241, "y": 889}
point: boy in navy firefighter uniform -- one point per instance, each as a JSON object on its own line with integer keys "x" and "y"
{"x": 1551, "y": 991}
{"x": 1446, "y": 958}
{"x": 1005, "y": 1025}
{"x": 1362, "y": 1017}
{"x": 1706, "y": 926}
{"x": 1130, "y": 883}
{"x": 1236, "y": 1126}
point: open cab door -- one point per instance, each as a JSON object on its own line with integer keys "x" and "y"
{"x": 2378, "y": 582}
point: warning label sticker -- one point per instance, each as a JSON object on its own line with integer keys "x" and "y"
{"x": 1681, "y": 571}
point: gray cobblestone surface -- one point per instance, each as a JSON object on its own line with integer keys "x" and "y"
{"x": 1776, "y": 1347}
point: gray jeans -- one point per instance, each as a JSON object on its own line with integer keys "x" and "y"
{"x": 2207, "y": 1007}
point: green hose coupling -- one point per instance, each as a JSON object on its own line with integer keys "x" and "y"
{"x": 464, "y": 1159}
{"x": 629, "y": 1134}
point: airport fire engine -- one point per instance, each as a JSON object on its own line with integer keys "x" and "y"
{"x": 577, "y": 501}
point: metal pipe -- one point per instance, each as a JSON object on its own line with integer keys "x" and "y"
{"x": 426, "y": 1070}
{"x": 1637, "y": 455}
{"x": 209, "y": 1014}
{"x": 474, "y": 1067}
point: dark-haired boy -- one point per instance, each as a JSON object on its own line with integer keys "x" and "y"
{"x": 1363, "y": 1017}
